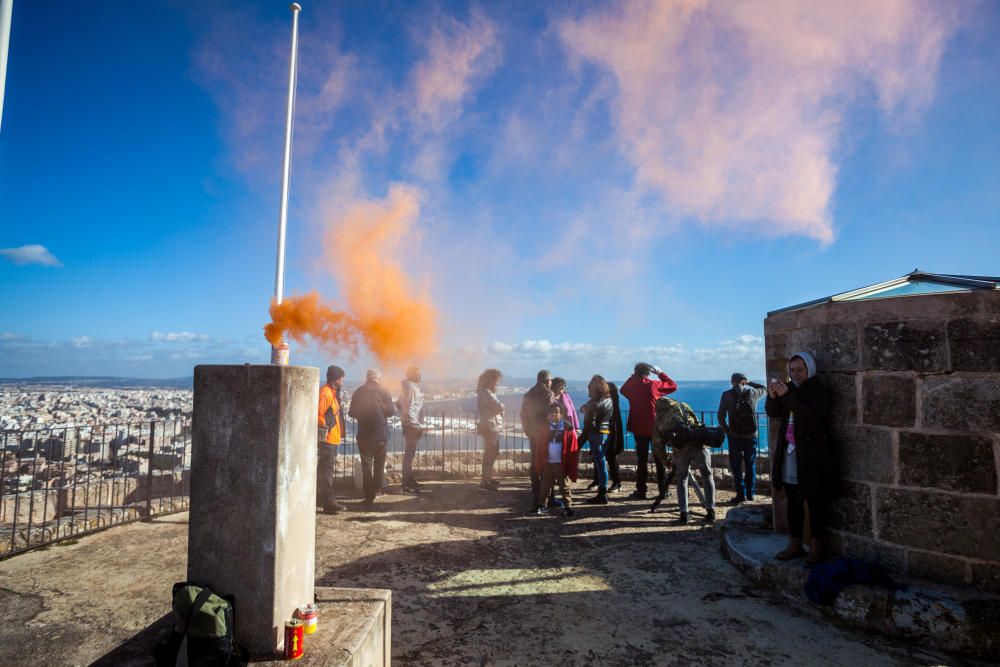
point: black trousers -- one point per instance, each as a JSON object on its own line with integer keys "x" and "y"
{"x": 325, "y": 470}
{"x": 819, "y": 513}
{"x": 372, "y": 466}
{"x": 642, "y": 445}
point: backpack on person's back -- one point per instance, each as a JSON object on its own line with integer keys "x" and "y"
{"x": 744, "y": 422}
{"x": 677, "y": 424}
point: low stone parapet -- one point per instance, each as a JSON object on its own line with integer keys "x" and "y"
{"x": 962, "y": 620}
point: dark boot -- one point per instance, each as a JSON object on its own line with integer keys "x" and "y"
{"x": 793, "y": 550}
{"x": 601, "y": 498}
{"x": 683, "y": 520}
{"x": 817, "y": 552}
{"x": 656, "y": 502}
{"x": 710, "y": 517}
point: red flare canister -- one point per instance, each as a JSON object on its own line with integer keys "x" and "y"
{"x": 294, "y": 639}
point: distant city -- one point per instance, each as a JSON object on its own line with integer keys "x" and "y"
{"x": 52, "y": 402}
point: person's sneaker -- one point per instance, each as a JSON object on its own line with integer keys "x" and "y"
{"x": 597, "y": 500}
{"x": 683, "y": 519}
{"x": 710, "y": 517}
{"x": 615, "y": 487}
{"x": 638, "y": 495}
{"x": 555, "y": 503}
{"x": 750, "y": 498}
{"x": 736, "y": 500}
{"x": 335, "y": 508}
{"x": 540, "y": 510}
{"x": 410, "y": 488}
{"x": 570, "y": 513}
{"x": 592, "y": 485}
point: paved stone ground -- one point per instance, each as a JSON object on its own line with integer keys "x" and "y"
{"x": 474, "y": 581}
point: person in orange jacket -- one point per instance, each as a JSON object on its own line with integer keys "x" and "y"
{"x": 557, "y": 460}
{"x": 331, "y": 433}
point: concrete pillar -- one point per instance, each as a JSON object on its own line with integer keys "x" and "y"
{"x": 252, "y": 529}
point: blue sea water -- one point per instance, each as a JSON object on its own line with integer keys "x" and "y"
{"x": 702, "y": 396}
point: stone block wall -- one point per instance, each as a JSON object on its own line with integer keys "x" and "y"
{"x": 916, "y": 383}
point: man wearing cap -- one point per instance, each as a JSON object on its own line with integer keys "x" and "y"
{"x": 738, "y": 420}
{"x": 411, "y": 403}
{"x": 331, "y": 432}
{"x": 371, "y": 406}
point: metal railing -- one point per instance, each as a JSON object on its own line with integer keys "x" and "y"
{"x": 61, "y": 482}
{"x": 451, "y": 447}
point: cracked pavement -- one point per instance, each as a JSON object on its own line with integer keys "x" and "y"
{"x": 474, "y": 582}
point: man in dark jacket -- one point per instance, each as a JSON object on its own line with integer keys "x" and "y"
{"x": 738, "y": 420}
{"x": 371, "y": 406}
{"x": 641, "y": 393}
{"x": 534, "y": 414}
{"x": 805, "y": 466}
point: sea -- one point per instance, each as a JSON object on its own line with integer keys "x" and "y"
{"x": 703, "y": 397}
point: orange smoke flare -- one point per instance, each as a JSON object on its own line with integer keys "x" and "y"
{"x": 383, "y": 310}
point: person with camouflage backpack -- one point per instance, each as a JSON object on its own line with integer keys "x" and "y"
{"x": 674, "y": 421}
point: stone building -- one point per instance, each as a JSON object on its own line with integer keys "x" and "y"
{"x": 914, "y": 365}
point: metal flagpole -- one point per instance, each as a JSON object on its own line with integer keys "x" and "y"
{"x": 6, "y": 9}
{"x": 279, "y": 353}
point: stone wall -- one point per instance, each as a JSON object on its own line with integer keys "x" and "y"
{"x": 916, "y": 419}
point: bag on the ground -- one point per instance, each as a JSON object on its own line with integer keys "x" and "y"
{"x": 203, "y": 630}
{"x": 827, "y": 580}
{"x": 677, "y": 425}
{"x": 744, "y": 416}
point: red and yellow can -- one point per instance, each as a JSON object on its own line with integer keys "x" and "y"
{"x": 309, "y": 615}
{"x": 294, "y": 639}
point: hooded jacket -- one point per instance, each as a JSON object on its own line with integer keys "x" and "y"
{"x": 818, "y": 465}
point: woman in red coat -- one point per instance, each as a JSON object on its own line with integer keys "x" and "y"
{"x": 556, "y": 461}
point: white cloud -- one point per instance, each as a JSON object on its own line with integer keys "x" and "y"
{"x": 6, "y": 335}
{"x": 580, "y": 360}
{"x": 30, "y": 254}
{"x": 734, "y": 110}
{"x": 82, "y": 342}
{"x": 746, "y": 349}
{"x": 178, "y": 337}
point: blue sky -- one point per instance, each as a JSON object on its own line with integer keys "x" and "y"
{"x": 597, "y": 183}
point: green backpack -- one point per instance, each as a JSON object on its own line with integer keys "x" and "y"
{"x": 203, "y": 630}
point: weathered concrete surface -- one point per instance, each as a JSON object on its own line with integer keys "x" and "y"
{"x": 936, "y": 617}
{"x": 253, "y": 493}
{"x": 473, "y": 582}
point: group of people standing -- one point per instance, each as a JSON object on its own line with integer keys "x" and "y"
{"x": 804, "y": 470}
{"x": 371, "y": 407}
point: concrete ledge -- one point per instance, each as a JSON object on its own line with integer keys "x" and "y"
{"x": 960, "y": 620}
{"x": 354, "y": 629}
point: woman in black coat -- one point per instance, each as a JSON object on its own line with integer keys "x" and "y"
{"x": 805, "y": 465}
{"x": 616, "y": 442}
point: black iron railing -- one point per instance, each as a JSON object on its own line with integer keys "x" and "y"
{"x": 57, "y": 483}
{"x": 61, "y": 482}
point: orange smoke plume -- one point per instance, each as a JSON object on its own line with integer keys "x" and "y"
{"x": 385, "y": 310}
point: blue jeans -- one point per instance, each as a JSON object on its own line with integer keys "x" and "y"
{"x": 598, "y": 449}
{"x": 743, "y": 453}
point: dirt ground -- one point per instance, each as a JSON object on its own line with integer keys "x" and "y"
{"x": 474, "y": 582}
